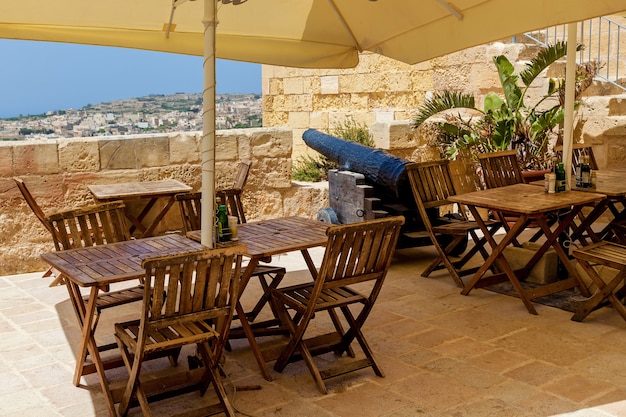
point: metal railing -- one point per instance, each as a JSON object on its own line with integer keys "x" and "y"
{"x": 602, "y": 40}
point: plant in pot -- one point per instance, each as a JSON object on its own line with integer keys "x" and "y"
{"x": 506, "y": 121}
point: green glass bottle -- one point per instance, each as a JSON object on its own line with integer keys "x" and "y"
{"x": 223, "y": 233}
{"x": 560, "y": 178}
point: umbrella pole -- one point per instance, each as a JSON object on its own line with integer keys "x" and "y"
{"x": 570, "y": 85}
{"x": 208, "y": 126}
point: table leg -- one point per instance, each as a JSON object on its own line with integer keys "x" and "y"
{"x": 88, "y": 344}
{"x": 587, "y": 221}
{"x": 552, "y": 241}
{"x": 245, "y": 324}
{"x": 497, "y": 256}
{"x": 618, "y": 215}
{"x": 150, "y": 229}
{"x": 309, "y": 263}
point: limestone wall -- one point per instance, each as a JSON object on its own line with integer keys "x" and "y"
{"x": 57, "y": 173}
{"x": 380, "y": 90}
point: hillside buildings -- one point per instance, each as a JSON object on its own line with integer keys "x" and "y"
{"x": 154, "y": 113}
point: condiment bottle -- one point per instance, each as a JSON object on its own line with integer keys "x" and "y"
{"x": 552, "y": 183}
{"x": 594, "y": 179}
{"x": 585, "y": 173}
{"x": 579, "y": 172}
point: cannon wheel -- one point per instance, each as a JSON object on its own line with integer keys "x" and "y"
{"x": 327, "y": 215}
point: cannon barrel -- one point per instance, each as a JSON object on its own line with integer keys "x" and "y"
{"x": 386, "y": 172}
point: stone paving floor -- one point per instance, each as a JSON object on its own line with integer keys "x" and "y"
{"x": 443, "y": 354}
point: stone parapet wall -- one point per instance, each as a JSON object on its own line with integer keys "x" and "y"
{"x": 57, "y": 173}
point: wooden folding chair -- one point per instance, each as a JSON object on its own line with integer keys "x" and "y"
{"x": 356, "y": 255}
{"x": 269, "y": 276}
{"x": 202, "y": 290}
{"x": 90, "y": 226}
{"x": 432, "y": 184}
{"x": 232, "y": 196}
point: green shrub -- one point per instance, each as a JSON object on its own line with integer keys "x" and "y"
{"x": 315, "y": 168}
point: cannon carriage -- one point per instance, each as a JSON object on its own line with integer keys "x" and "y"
{"x": 370, "y": 183}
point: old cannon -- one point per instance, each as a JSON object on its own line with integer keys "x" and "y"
{"x": 371, "y": 183}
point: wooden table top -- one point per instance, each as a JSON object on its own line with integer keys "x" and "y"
{"x": 525, "y": 199}
{"x": 610, "y": 182}
{"x": 275, "y": 236}
{"x": 137, "y": 190}
{"x": 116, "y": 262}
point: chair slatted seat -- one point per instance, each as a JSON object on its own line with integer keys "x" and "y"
{"x": 432, "y": 185}
{"x": 202, "y": 291}
{"x": 355, "y": 254}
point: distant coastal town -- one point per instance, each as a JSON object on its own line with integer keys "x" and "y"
{"x": 150, "y": 114}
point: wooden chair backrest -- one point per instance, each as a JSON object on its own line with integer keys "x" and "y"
{"x": 358, "y": 252}
{"x": 242, "y": 175}
{"x": 232, "y": 196}
{"x": 30, "y": 200}
{"x": 89, "y": 226}
{"x": 500, "y": 168}
{"x": 190, "y": 210}
{"x": 191, "y": 207}
{"x": 431, "y": 183}
{"x": 200, "y": 286}
{"x": 578, "y": 151}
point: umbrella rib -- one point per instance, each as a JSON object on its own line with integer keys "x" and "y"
{"x": 345, "y": 25}
{"x": 450, "y": 8}
{"x": 175, "y": 4}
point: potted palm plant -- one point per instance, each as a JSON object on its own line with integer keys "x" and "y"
{"x": 506, "y": 121}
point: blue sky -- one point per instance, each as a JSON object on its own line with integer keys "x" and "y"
{"x": 36, "y": 77}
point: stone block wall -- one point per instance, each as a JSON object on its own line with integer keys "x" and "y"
{"x": 57, "y": 173}
{"x": 377, "y": 90}
{"x": 381, "y": 91}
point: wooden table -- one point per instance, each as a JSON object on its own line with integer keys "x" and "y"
{"x": 531, "y": 203}
{"x": 151, "y": 191}
{"x": 96, "y": 267}
{"x": 264, "y": 239}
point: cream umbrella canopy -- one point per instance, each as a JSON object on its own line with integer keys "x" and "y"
{"x": 297, "y": 33}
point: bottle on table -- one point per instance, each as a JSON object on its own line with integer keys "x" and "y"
{"x": 585, "y": 175}
{"x": 223, "y": 233}
{"x": 560, "y": 177}
{"x": 579, "y": 171}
